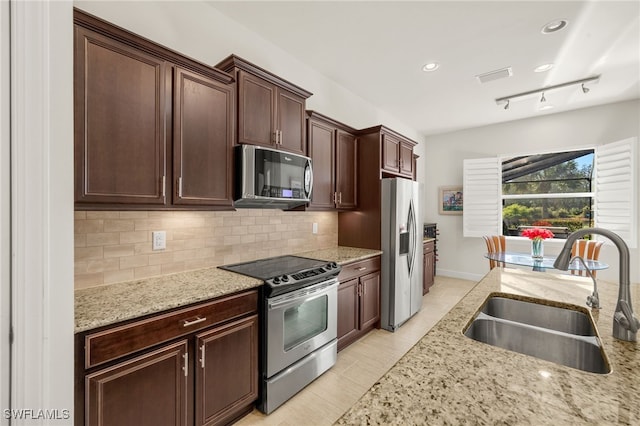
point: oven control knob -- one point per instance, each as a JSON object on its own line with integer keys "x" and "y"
{"x": 328, "y": 266}
{"x": 276, "y": 280}
{"x": 285, "y": 279}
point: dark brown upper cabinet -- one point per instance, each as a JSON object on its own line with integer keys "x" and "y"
{"x": 332, "y": 147}
{"x": 271, "y": 110}
{"x": 203, "y": 111}
{"x": 153, "y": 129}
{"x": 120, "y": 122}
{"x": 396, "y": 157}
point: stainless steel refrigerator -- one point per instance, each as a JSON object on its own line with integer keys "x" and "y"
{"x": 401, "y": 286}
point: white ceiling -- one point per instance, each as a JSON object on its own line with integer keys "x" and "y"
{"x": 377, "y": 49}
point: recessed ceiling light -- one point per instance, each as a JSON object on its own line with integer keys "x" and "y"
{"x": 545, "y": 107}
{"x": 554, "y": 26}
{"x": 431, "y": 66}
{"x": 543, "y": 68}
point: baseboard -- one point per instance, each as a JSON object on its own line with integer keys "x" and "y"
{"x": 459, "y": 275}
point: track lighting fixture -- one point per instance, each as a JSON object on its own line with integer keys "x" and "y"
{"x": 505, "y": 100}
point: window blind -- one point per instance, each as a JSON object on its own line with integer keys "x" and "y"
{"x": 482, "y": 206}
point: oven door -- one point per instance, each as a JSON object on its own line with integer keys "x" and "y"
{"x": 299, "y": 323}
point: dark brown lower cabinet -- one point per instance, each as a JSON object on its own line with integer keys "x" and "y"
{"x": 194, "y": 366}
{"x": 226, "y": 371}
{"x": 148, "y": 390}
{"x": 358, "y": 300}
{"x": 429, "y": 262}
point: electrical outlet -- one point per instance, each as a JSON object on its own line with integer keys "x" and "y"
{"x": 314, "y": 228}
{"x": 159, "y": 239}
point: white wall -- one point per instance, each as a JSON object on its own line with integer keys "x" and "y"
{"x": 587, "y": 127}
{"x": 41, "y": 211}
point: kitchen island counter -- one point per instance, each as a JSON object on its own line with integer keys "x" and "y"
{"x": 447, "y": 378}
{"x": 109, "y": 304}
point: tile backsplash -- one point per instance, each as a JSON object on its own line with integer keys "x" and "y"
{"x": 114, "y": 246}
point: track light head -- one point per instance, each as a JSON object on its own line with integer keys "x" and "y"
{"x": 506, "y": 105}
{"x": 543, "y": 99}
{"x": 585, "y": 89}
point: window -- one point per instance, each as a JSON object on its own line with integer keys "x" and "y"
{"x": 612, "y": 197}
{"x": 551, "y": 190}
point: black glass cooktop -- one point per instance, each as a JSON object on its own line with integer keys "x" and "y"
{"x": 274, "y": 266}
{"x": 286, "y": 273}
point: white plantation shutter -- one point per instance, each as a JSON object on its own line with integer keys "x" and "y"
{"x": 482, "y": 192}
{"x": 616, "y": 189}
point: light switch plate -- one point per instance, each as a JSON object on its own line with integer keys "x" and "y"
{"x": 159, "y": 239}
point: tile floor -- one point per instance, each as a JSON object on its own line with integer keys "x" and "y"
{"x": 362, "y": 363}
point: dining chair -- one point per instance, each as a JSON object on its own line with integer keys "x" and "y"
{"x": 588, "y": 250}
{"x": 495, "y": 244}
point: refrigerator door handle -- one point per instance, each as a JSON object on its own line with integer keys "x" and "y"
{"x": 411, "y": 222}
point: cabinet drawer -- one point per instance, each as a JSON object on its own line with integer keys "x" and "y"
{"x": 123, "y": 340}
{"x": 428, "y": 247}
{"x": 357, "y": 269}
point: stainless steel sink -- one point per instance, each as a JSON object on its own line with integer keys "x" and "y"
{"x": 564, "y": 335}
{"x": 540, "y": 315}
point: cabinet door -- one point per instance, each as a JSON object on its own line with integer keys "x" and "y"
{"x": 203, "y": 119}
{"x": 119, "y": 115}
{"x": 147, "y": 390}
{"x": 256, "y": 110}
{"x": 390, "y": 154}
{"x": 290, "y": 123}
{"x": 226, "y": 371}
{"x": 406, "y": 159}
{"x": 346, "y": 170}
{"x": 347, "y": 311}
{"x": 369, "y": 300}
{"x": 321, "y": 151}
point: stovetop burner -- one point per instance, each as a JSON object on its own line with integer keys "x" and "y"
{"x": 283, "y": 274}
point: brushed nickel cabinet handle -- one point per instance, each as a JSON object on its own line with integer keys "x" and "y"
{"x": 186, "y": 364}
{"x": 180, "y": 187}
{"x": 362, "y": 268}
{"x": 202, "y": 355}
{"x": 198, "y": 320}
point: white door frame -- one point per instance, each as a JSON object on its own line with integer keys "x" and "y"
{"x": 41, "y": 199}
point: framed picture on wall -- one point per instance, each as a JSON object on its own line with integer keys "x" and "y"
{"x": 450, "y": 200}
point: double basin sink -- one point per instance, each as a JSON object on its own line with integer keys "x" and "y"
{"x": 560, "y": 333}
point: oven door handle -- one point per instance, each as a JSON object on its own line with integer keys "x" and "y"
{"x": 309, "y": 293}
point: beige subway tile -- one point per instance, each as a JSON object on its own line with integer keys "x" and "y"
{"x": 183, "y": 234}
{"x": 120, "y": 250}
{"x": 149, "y": 224}
{"x": 244, "y": 239}
{"x": 182, "y": 255}
{"x": 194, "y": 243}
{"x": 274, "y": 220}
{"x": 84, "y": 253}
{"x": 79, "y": 215}
{"x": 118, "y": 225}
{"x": 103, "y": 214}
{"x": 133, "y": 214}
{"x": 230, "y": 240}
{"x": 147, "y": 271}
{"x": 239, "y": 230}
{"x": 206, "y": 252}
{"x": 261, "y": 237}
{"x": 232, "y": 221}
{"x": 80, "y": 240}
{"x": 134, "y": 237}
{"x": 172, "y": 268}
{"x": 248, "y": 220}
{"x": 98, "y": 265}
{"x": 88, "y": 226}
{"x": 193, "y": 264}
{"x": 160, "y": 258}
{"x": 129, "y": 262}
{"x": 275, "y": 236}
{"x": 103, "y": 239}
{"x": 88, "y": 280}
{"x": 283, "y": 227}
{"x": 144, "y": 247}
{"x": 118, "y": 276}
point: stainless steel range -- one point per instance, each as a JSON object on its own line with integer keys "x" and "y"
{"x": 298, "y": 323}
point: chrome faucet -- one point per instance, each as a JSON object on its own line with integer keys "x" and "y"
{"x": 625, "y": 324}
{"x": 593, "y": 300}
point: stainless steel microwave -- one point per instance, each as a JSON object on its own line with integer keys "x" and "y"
{"x": 268, "y": 178}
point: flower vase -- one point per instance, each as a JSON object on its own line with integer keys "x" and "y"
{"x": 537, "y": 248}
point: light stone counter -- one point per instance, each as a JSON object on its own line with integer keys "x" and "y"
{"x": 447, "y": 378}
{"x": 105, "y": 305}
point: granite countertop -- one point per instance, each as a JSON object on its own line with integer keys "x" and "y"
{"x": 105, "y": 305}
{"x": 447, "y": 378}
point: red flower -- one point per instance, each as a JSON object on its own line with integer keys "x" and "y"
{"x": 537, "y": 233}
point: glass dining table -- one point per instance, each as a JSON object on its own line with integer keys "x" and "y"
{"x": 540, "y": 265}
